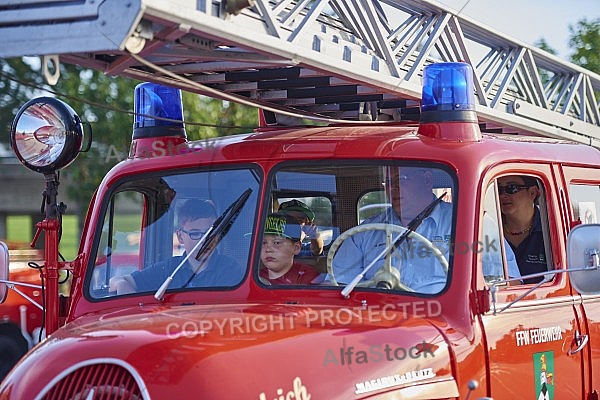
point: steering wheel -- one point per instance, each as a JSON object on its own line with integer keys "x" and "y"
{"x": 388, "y": 228}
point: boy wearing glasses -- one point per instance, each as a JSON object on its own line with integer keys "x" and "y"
{"x": 195, "y": 217}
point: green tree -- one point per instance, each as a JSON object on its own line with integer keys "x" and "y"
{"x": 106, "y": 102}
{"x": 208, "y": 117}
{"x": 14, "y": 92}
{"x": 585, "y": 41}
{"x": 542, "y": 44}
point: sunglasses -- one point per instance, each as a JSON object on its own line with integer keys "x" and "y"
{"x": 194, "y": 234}
{"x": 511, "y": 189}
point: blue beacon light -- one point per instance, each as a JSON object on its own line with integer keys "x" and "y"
{"x": 164, "y": 103}
{"x": 448, "y": 103}
{"x": 448, "y": 93}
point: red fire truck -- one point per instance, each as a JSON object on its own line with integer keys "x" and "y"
{"x": 21, "y": 312}
{"x": 416, "y": 293}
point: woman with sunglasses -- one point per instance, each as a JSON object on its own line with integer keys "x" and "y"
{"x": 522, "y": 224}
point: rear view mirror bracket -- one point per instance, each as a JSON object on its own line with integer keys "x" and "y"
{"x": 583, "y": 265}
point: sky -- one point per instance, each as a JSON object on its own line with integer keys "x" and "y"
{"x": 530, "y": 20}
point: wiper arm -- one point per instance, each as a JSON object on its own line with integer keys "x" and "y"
{"x": 416, "y": 221}
{"x": 412, "y": 225}
{"x": 209, "y": 241}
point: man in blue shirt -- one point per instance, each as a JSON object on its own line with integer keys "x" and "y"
{"x": 409, "y": 190}
{"x": 195, "y": 217}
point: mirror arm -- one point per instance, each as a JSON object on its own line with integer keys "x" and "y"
{"x": 12, "y": 285}
{"x": 537, "y": 285}
{"x": 547, "y": 277}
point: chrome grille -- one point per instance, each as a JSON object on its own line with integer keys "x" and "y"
{"x": 96, "y": 382}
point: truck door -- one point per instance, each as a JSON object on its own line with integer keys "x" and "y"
{"x": 531, "y": 326}
{"x": 583, "y": 206}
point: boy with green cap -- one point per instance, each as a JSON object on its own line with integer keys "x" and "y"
{"x": 281, "y": 242}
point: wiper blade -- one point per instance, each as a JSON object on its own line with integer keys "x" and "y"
{"x": 414, "y": 224}
{"x": 209, "y": 241}
{"x": 222, "y": 224}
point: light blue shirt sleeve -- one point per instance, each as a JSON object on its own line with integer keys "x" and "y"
{"x": 418, "y": 268}
{"x": 492, "y": 255}
{"x": 511, "y": 260}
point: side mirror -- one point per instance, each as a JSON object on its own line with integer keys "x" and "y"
{"x": 583, "y": 251}
{"x": 3, "y": 271}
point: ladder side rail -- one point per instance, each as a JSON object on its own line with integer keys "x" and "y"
{"x": 593, "y": 108}
{"x": 565, "y": 84}
{"x": 572, "y": 94}
{"x": 432, "y": 37}
{"x": 462, "y": 50}
{"x": 537, "y": 88}
{"x": 403, "y": 61}
{"x": 338, "y": 41}
{"x": 494, "y": 82}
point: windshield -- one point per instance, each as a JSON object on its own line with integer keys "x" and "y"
{"x": 359, "y": 225}
{"x": 176, "y": 227}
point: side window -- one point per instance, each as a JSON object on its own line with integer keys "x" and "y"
{"x": 371, "y": 204}
{"x": 320, "y": 214}
{"x": 524, "y": 220}
{"x": 585, "y": 202}
{"x": 492, "y": 243}
{"x": 120, "y": 239}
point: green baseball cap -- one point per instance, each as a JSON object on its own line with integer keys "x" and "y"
{"x": 279, "y": 225}
{"x": 297, "y": 205}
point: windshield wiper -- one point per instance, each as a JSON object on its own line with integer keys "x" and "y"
{"x": 209, "y": 241}
{"x": 411, "y": 227}
{"x": 416, "y": 222}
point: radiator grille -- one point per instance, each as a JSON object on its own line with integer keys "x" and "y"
{"x": 96, "y": 382}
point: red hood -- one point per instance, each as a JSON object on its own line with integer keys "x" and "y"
{"x": 252, "y": 351}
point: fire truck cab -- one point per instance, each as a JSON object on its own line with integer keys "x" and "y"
{"x": 368, "y": 256}
{"x": 431, "y": 309}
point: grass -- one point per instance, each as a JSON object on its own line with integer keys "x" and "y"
{"x": 20, "y": 229}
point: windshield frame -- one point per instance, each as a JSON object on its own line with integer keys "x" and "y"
{"x": 343, "y": 164}
{"x": 138, "y": 184}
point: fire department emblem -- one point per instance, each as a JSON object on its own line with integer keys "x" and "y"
{"x": 543, "y": 364}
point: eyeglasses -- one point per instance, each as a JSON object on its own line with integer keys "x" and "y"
{"x": 511, "y": 188}
{"x": 194, "y": 234}
{"x": 399, "y": 178}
